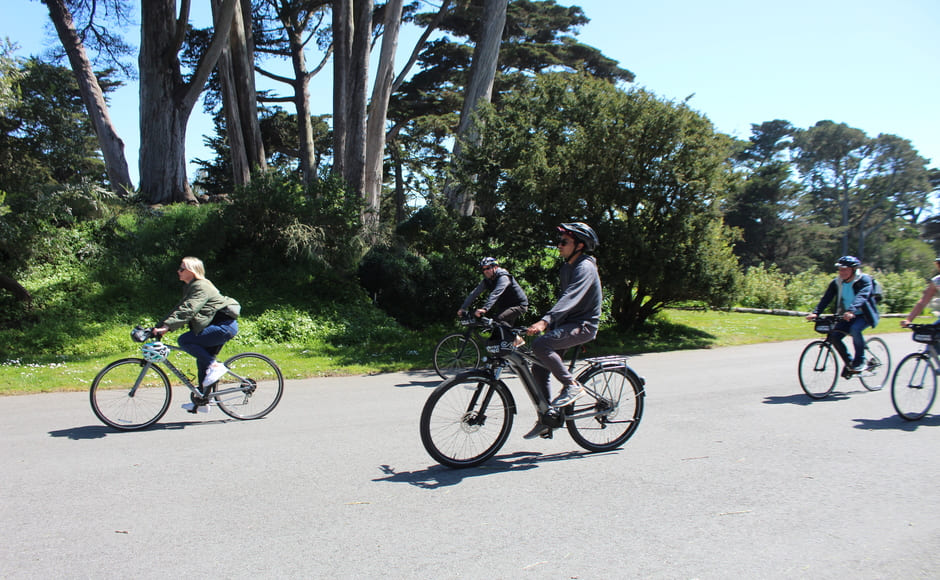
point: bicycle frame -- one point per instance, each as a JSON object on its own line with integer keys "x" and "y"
{"x": 520, "y": 361}
{"x": 213, "y": 395}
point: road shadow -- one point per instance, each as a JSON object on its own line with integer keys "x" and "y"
{"x": 438, "y": 476}
{"x": 803, "y": 399}
{"x": 896, "y": 423}
{"x": 424, "y": 379}
{"x": 101, "y": 431}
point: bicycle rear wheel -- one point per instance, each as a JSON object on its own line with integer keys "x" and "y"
{"x": 819, "y": 369}
{"x": 258, "y": 385}
{"x": 877, "y": 370}
{"x": 611, "y": 409}
{"x": 466, "y": 420}
{"x": 130, "y": 393}
{"x": 914, "y": 386}
{"x": 456, "y": 353}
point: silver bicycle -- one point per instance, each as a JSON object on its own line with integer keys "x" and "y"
{"x": 915, "y": 382}
{"x": 134, "y": 393}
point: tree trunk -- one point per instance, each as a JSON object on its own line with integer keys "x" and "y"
{"x": 112, "y": 147}
{"x": 15, "y": 288}
{"x": 236, "y": 70}
{"x": 357, "y": 95}
{"x": 378, "y": 113}
{"x": 166, "y": 102}
{"x": 301, "y": 86}
{"x": 342, "y": 53}
{"x": 479, "y": 90}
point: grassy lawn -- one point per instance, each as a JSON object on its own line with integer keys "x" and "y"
{"x": 674, "y": 330}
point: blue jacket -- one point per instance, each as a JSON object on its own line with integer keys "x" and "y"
{"x": 863, "y": 305}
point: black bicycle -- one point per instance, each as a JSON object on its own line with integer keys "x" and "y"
{"x": 915, "y": 382}
{"x": 134, "y": 393}
{"x": 467, "y": 418}
{"x": 819, "y": 363}
{"x": 460, "y": 351}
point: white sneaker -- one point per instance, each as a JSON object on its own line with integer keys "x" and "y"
{"x": 193, "y": 408}
{"x": 215, "y": 372}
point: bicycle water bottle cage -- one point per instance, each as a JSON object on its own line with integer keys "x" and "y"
{"x": 155, "y": 351}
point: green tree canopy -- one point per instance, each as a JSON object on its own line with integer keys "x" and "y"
{"x": 646, "y": 173}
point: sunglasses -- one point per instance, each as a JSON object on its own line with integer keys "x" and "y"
{"x": 181, "y": 269}
{"x": 564, "y": 242}
{"x": 485, "y": 268}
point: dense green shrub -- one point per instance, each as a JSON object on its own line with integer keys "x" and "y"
{"x": 771, "y": 289}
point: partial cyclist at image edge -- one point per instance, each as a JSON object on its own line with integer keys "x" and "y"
{"x": 931, "y": 297}
{"x": 572, "y": 321}
{"x": 505, "y": 302}
{"x": 211, "y": 317}
{"x": 855, "y": 307}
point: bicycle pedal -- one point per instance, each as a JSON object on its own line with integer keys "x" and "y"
{"x": 547, "y": 434}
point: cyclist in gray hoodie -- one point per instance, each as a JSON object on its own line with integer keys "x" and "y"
{"x": 572, "y": 321}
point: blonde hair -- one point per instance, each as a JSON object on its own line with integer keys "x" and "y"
{"x": 195, "y": 266}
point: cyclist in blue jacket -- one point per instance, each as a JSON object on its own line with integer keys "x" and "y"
{"x": 855, "y": 307}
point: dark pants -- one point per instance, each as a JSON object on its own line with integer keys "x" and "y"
{"x": 853, "y": 328}
{"x": 509, "y": 316}
{"x": 549, "y": 349}
{"x": 207, "y": 344}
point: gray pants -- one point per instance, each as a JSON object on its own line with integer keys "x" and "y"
{"x": 549, "y": 349}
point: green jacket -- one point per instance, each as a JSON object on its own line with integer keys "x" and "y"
{"x": 201, "y": 301}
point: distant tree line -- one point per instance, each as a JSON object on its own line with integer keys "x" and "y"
{"x": 500, "y": 126}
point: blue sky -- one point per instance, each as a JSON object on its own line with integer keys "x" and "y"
{"x": 872, "y": 65}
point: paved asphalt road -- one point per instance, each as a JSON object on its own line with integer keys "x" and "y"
{"x": 733, "y": 473}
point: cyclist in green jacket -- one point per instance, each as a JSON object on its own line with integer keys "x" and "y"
{"x": 212, "y": 320}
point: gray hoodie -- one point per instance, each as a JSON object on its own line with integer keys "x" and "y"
{"x": 580, "y": 300}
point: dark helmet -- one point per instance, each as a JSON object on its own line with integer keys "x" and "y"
{"x": 581, "y": 232}
{"x": 849, "y": 261}
{"x": 488, "y": 262}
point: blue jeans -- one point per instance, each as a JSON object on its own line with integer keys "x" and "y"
{"x": 854, "y": 328}
{"x": 207, "y": 344}
{"x": 549, "y": 348}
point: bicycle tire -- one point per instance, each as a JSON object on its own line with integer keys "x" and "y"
{"x": 877, "y": 371}
{"x": 261, "y": 384}
{"x": 130, "y": 394}
{"x": 456, "y": 353}
{"x": 619, "y": 395}
{"x": 818, "y": 369}
{"x": 466, "y": 420}
{"x": 914, "y": 386}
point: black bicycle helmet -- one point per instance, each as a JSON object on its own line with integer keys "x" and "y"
{"x": 581, "y": 232}
{"x": 849, "y": 262}
{"x": 488, "y": 261}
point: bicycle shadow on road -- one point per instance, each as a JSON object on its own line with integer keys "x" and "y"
{"x": 438, "y": 476}
{"x": 101, "y": 431}
{"x": 897, "y": 423}
{"x": 803, "y": 399}
{"x": 429, "y": 379}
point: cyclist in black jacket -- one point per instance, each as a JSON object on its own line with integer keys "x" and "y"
{"x": 506, "y": 301}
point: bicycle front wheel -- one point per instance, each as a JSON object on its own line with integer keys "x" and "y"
{"x": 914, "y": 386}
{"x": 251, "y": 388}
{"x": 130, "y": 393}
{"x": 466, "y": 420}
{"x": 877, "y": 370}
{"x": 454, "y": 354}
{"x": 610, "y": 410}
{"x": 819, "y": 369}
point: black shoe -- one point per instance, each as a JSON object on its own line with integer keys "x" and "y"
{"x": 538, "y": 431}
